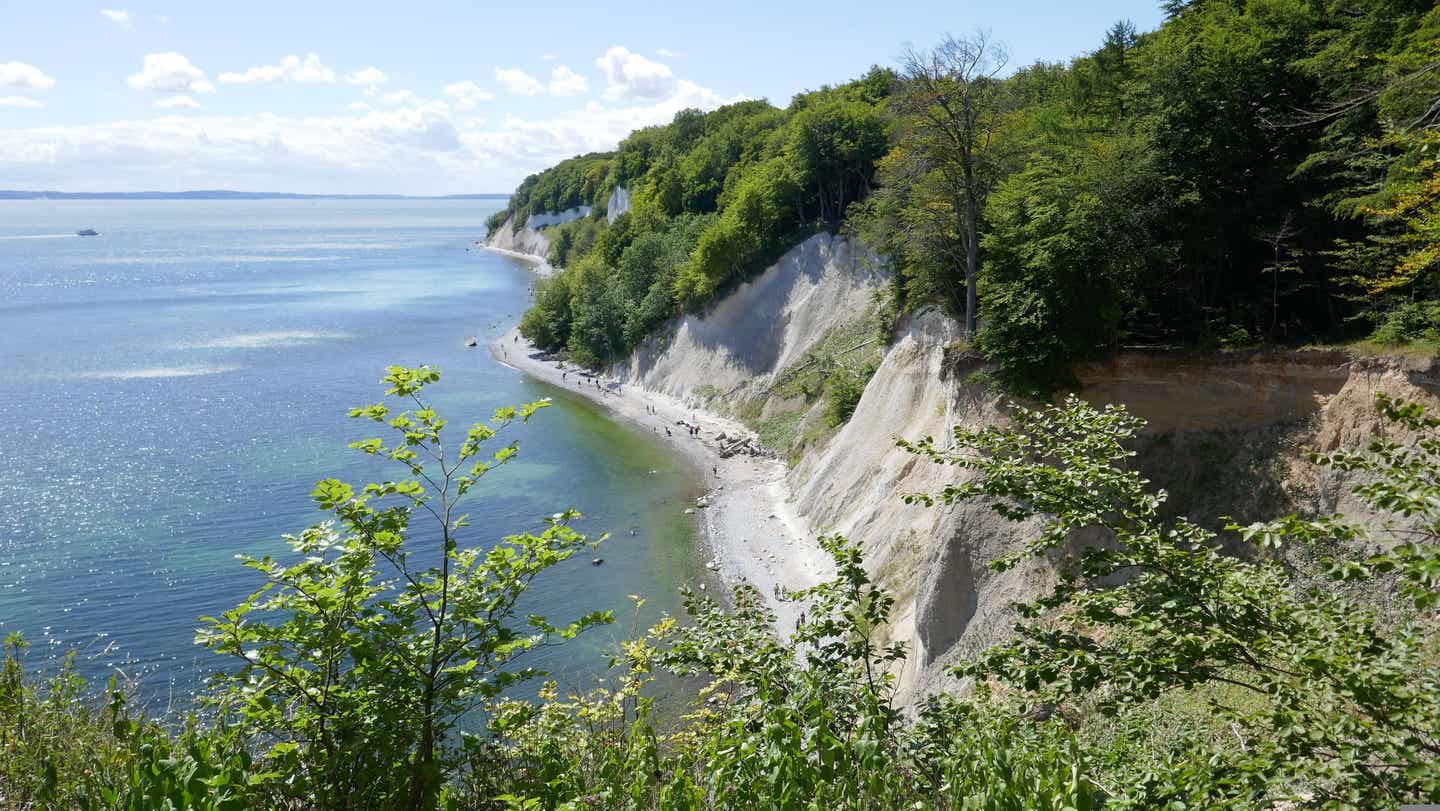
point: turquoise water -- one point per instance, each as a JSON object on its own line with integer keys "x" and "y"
{"x": 170, "y": 390}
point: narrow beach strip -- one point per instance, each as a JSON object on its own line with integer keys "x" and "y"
{"x": 751, "y": 530}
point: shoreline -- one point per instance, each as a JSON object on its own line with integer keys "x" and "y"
{"x": 750, "y": 531}
{"x": 538, "y": 264}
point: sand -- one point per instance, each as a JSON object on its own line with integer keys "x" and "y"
{"x": 750, "y": 529}
{"x": 537, "y": 264}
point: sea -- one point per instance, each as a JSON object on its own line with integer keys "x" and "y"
{"x": 171, "y": 390}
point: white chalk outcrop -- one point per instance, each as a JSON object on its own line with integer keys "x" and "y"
{"x": 525, "y": 243}
{"x": 935, "y": 560}
{"x": 1225, "y": 434}
{"x": 618, "y": 204}
{"x": 732, "y": 352}
{"x": 529, "y": 242}
{"x": 547, "y": 219}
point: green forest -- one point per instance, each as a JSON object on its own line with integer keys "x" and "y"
{"x": 1250, "y": 172}
{"x": 1254, "y": 171}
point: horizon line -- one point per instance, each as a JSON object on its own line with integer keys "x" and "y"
{"x": 27, "y": 194}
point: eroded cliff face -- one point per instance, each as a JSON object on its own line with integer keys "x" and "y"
{"x": 935, "y": 560}
{"x": 526, "y": 241}
{"x": 1229, "y": 434}
{"x": 617, "y": 204}
{"x": 731, "y": 356}
{"x": 1226, "y": 435}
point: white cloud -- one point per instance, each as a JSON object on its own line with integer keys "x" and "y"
{"x": 668, "y": 54}
{"x": 370, "y": 78}
{"x": 529, "y": 145}
{"x": 518, "y": 82}
{"x": 19, "y": 101}
{"x": 413, "y": 149}
{"x": 21, "y": 75}
{"x": 632, "y": 76}
{"x": 566, "y": 82}
{"x": 119, "y": 16}
{"x": 397, "y": 97}
{"x": 170, "y": 72}
{"x": 467, "y": 94}
{"x": 424, "y": 146}
{"x": 177, "y": 102}
{"x": 291, "y": 69}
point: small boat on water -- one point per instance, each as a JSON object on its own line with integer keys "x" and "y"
{"x": 471, "y": 342}
{"x": 87, "y": 232}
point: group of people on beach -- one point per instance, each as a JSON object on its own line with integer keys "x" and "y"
{"x": 692, "y": 428}
{"x": 594, "y": 381}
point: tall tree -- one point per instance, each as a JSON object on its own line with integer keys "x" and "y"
{"x": 951, "y": 105}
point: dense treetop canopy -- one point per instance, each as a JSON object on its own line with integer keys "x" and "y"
{"x": 1252, "y": 171}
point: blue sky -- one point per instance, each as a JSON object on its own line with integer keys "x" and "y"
{"x": 432, "y": 97}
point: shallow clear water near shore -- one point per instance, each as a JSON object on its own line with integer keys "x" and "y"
{"x": 172, "y": 388}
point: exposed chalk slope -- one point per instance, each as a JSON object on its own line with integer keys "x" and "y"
{"x": 525, "y": 243}
{"x": 734, "y": 349}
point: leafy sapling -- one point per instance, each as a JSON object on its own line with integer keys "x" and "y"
{"x": 358, "y": 661}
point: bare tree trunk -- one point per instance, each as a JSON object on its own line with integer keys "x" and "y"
{"x": 972, "y": 263}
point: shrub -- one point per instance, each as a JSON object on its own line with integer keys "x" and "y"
{"x": 843, "y": 389}
{"x": 1410, "y": 322}
{"x": 1332, "y": 702}
{"x": 356, "y": 661}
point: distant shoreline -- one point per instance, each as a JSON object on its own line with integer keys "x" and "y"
{"x": 222, "y": 194}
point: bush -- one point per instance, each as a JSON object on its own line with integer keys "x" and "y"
{"x": 356, "y": 661}
{"x": 807, "y": 722}
{"x": 1333, "y": 701}
{"x": 1410, "y": 322}
{"x": 843, "y": 389}
{"x": 547, "y": 323}
{"x": 59, "y": 749}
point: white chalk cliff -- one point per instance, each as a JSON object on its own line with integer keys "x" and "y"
{"x": 1225, "y": 434}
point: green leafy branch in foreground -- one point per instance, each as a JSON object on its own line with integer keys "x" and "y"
{"x": 1332, "y": 697}
{"x": 357, "y": 662}
{"x": 804, "y": 721}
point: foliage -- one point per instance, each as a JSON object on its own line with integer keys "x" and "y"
{"x": 713, "y": 198}
{"x": 1069, "y": 238}
{"x": 570, "y": 240}
{"x": 1334, "y": 701}
{"x": 58, "y": 750}
{"x": 578, "y": 181}
{"x": 1408, "y": 323}
{"x": 1279, "y": 184}
{"x": 843, "y": 390}
{"x": 801, "y": 723}
{"x": 357, "y": 661}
